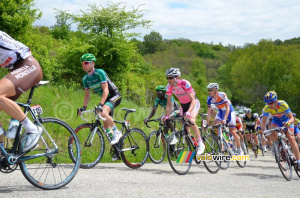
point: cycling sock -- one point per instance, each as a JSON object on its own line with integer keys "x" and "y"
{"x": 114, "y": 128}
{"x": 29, "y": 126}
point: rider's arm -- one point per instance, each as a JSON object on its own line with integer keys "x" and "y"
{"x": 105, "y": 92}
{"x": 291, "y": 118}
{"x": 152, "y": 112}
{"x": 86, "y": 97}
{"x": 227, "y": 111}
{"x": 169, "y": 105}
{"x": 208, "y": 116}
{"x": 263, "y": 123}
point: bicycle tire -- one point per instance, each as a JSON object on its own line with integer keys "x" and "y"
{"x": 225, "y": 164}
{"x": 59, "y": 164}
{"x": 253, "y": 147}
{"x": 134, "y": 148}
{"x": 91, "y": 152}
{"x": 176, "y": 153}
{"x": 212, "y": 147}
{"x": 283, "y": 161}
{"x": 246, "y": 145}
{"x": 157, "y": 146}
{"x": 242, "y": 163}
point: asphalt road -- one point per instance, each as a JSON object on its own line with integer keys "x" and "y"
{"x": 260, "y": 178}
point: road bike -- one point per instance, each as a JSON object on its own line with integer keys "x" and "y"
{"x": 133, "y": 146}
{"x": 47, "y": 166}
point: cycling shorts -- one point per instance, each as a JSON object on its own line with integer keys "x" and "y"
{"x": 231, "y": 117}
{"x": 185, "y": 107}
{"x": 113, "y": 101}
{"x": 25, "y": 74}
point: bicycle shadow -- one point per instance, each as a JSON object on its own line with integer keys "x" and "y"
{"x": 262, "y": 176}
{"x": 10, "y": 189}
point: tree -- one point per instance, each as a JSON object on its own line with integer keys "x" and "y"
{"x": 152, "y": 42}
{"x": 62, "y": 28}
{"x": 16, "y": 17}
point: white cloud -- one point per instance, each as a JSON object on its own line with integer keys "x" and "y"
{"x": 228, "y": 21}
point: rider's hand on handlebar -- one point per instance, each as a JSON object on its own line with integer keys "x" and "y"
{"x": 187, "y": 115}
{"x": 224, "y": 122}
{"x": 164, "y": 118}
{"x": 100, "y": 107}
{"x": 287, "y": 124}
{"x": 146, "y": 120}
{"x": 81, "y": 110}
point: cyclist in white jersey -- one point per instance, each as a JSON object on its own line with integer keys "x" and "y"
{"x": 25, "y": 72}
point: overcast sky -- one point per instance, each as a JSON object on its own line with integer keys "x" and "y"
{"x": 234, "y": 22}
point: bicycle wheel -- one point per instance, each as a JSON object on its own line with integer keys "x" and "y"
{"x": 179, "y": 154}
{"x": 157, "y": 147}
{"x": 92, "y": 144}
{"x": 212, "y": 148}
{"x": 246, "y": 145}
{"x": 283, "y": 161}
{"x": 225, "y": 163}
{"x": 55, "y": 168}
{"x": 242, "y": 163}
{"x": 253, "y": 147}
{"x": 134, "y": 148}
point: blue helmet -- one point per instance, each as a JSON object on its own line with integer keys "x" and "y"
{"x": 271, "y": 96}
{"x": 294, "y": 114}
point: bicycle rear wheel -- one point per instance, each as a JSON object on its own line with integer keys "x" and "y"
{"x": 242, "y": 163}
{"x": 283, "y": 161}
{"x": 225, "y": 163}
{"x": 92, "y": 144}
{"x": 157, "y": 147}
{"x": 134, "y": 148}
{"x": 55, "y": 168}
{"x": 212, "y": 148}
{"x": 179, "y": 154}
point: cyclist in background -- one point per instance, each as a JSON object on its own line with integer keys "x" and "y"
{"x": 190, "y": 105}
{"x": 225, "y": 111}
{"x": 24, "y": 73}
{"x": 296, "y": 127}
{"x": 249, "y": 122}
{"x": 161, "y": 100}
{"x": 282, "y": 116}
{"x": 239, "y": 127}
{"x": 258, "y": 129}
{"x": 99, "y": 82}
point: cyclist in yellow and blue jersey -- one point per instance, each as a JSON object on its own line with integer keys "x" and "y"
{"x": 296, "y": 127}
{"x": 282, "y": 116}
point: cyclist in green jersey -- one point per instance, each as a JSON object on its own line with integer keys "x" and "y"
{"x": 99, "y": 82}
{"x": 161, "y": 100}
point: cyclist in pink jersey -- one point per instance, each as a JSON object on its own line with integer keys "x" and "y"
{"x": 189, "y": 103}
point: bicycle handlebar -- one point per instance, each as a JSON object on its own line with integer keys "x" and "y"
{"x": 268, "y": 132}
{"x": 98, "y": 115}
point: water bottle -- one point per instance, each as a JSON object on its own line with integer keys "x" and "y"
{"x": 12, "y": 129}
{"x": 109, "y": 134}
{"x": 194, "y": 141}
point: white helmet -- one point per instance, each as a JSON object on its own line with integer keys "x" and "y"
{"x": 173, "y": 72}
{"x": 213, "y": 86}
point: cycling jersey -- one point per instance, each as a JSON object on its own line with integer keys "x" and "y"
{"x": 163, "y": 103}
{"x": 296, "y": 126}
{"x": 95, "y": 80}
{"x": 279, "y": 114}
{"x": 181, "y": 91}
{"x": 249, "y": 121}
{"x": 11, "y": 51}
{"x": 220, "y": 103}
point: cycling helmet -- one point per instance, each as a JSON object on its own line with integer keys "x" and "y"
{"x": 160, "y": 88}
{"x": 213, "y": 86}
{"x": 294, "y": 114}
{"x": 271, "y": 96}
{"x": 248, "y": 111}
{"x": 255, "y": 115}
{"x": 173, "y": 72}
{"x": 88, "y": 57}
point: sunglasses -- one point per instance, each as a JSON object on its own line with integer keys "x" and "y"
{"x": 271, "y": 103}
{"x": 210, "y": 90}
{"x": 86, "y": 62}
{"x": 170, "y": 78}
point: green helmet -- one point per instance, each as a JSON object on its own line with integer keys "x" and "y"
{"x": 161, "y": 88}
{"x": 88, "y": 57}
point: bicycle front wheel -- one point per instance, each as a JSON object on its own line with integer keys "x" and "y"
{"x": 212, "y": 149}
{"x": 179, "y": 153}
{"x": 283, "y": 161}
{"x": 134, "y": 148}
{"x": 225, "y": 163}
{"x": 92, "y": 144}
{"x": 55, "y": 168}
{"x": 157, "y": 147}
